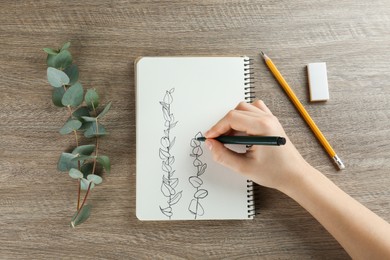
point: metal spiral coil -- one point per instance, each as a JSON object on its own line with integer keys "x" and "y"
{"x": 248, "y": 80}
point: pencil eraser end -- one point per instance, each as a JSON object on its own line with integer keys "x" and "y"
{"x": 318, "y": 81}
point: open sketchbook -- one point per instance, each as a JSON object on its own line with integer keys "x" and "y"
{"x": 177, "y": 99}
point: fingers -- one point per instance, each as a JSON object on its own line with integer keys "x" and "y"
{"x": 260, "y": 104}
{"x": 247, "y": 118}
{"x": 254, "y": 107}
{"x": 244, "y": 106}
{"x": 242, "y": 121}
{"x": 226, "y": 157}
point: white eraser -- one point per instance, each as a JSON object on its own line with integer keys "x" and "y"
{"x": 318, "y": 81}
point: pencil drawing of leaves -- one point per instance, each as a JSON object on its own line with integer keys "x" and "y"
{"x": 167, "y": 190}
{"x": 172, "y": 125}
{"x": 168, "y": 99}
{"x": 176, "y": 198}
{"x": 195, "y": 206}
{"x": 202, "y": 169}
{"x": 174, "y": 182}
{"x": 201, "y": 194}
{"x": 172, "y": 143}
{"x": 195, "y": 181}
{"x": 167, "y": 211}
{"x": 163, "y": 154}
{"x": 168, "y": 183}
{"x": 197, "y": 162}
{"x": 165, "y": 142}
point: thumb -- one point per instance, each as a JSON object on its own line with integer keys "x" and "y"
{"x": 226, "y": 157}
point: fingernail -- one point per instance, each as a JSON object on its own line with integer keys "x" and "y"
{"x": 209, "y": 144}
{"x": 207, "y": 133}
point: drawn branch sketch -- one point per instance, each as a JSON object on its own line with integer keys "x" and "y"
{"x": 196, "y": 181}
{"x": 169, "y": 183}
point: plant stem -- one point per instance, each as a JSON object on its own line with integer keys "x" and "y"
{"x": 97, "y": 146}
{"x": 84, "y": 200}
{"x": 79, "y": 194}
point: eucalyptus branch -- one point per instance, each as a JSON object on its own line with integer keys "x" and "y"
{"x": 83, "y": 118}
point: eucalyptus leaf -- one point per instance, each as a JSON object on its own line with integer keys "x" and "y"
{"x": 70, "y": 126}
{"x": 85, "y": 125}
{"x": 57, "y": 95}
{"x": 50, "y": 61}
{"x": 92, "y": 98}
{"x": 89, "y": 118}
{"x": 95, "y": 130}
{"x": 96, "y": 179}
{"x": 105, "y": 110}
{"x": 84, "y": 149}
{"x": 87, "y": 169}
{"x": 65, "y": 46}
{"x": 62, "y": 60}
{"x": 73, "y": 96}
{"x": 75, "y": 174}
{"x": 81, "y": 215}
{"x": 105, "y": 161}
{"x": 57, "y": 78}
{"x": 84, "y": 184}
{"x": 73, "y": 73}
{"x": 50, "y": 51}
{"x": 83, "y": 157}
{"x": 80, "y": 112}
{"x": 66, "y": 162}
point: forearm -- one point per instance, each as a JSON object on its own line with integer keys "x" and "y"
{"x": 362, "y": 233}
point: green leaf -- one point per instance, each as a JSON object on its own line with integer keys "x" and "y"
{"x": 70, "y": 126}
{"x": 85, "y": 125}
{"x": 63, "y": 59}
{"x": 96, "y": 179}
{"x": 89, "y": 118}
{"x": 50, "y": 51}
{"x": 57, "y": 95}
{"x": 73, "y": 73}
{"x": 95, "y": 130}
{"x": 75, "y": 174}
{"x": 57, "y": 78}
{"x": 92, "y": 98}
{"x": 105, "y": 161}
{"x": 84, "y": 183}
{"x": 73, "y": 96}
{"x": 84, "y": 149}
{"x": 65, "y": 46}
{"x": 105, "y": 110}
{"x": 81, "y": 215}
{"x": 65, "y": 163}
{"x": 87, "y": 169}
{"x": 83, "y": 157}
{"x": 80, "y": 112}
{"x": 50, "y": 60}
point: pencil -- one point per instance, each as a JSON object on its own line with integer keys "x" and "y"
{"x": 317, "y": 132}
{"x": 248, "y": 140}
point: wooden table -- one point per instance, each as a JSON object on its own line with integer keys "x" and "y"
{"x": 37, "y": 202}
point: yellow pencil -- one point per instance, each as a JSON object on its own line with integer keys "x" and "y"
{"x": 303, "y": 111}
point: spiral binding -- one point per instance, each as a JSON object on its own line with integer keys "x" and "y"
{"x": 249, "y": 97}
{"x": 248, "y": 79}
{"x": 250, "y": 200}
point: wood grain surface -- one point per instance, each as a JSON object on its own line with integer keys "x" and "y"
{"x": 37, "y": 202}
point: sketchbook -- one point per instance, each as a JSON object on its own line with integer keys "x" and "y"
{"x": 177, "y": 99}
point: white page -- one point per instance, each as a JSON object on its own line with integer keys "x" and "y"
{"x": 205, "y": 89}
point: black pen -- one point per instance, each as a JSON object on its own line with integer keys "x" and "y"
{"x": 248, "y": 140}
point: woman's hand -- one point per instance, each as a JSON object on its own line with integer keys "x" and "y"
{"x": 271, "y": 166}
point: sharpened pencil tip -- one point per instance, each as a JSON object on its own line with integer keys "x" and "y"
{"x": 265, "y": 57}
